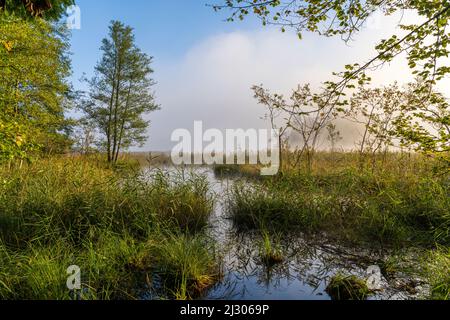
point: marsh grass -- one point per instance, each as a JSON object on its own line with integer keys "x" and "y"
{"x": 438, "y": 272}
{"x": 153, "y": 159}
{"x": 342, "y": 287}
{"x": 78, "y": 211}
{"x": 394, "y": 200}
{"x": 38, "y": 272}
{"x": 183, "y": 199}
{"x": 270, "y": 249}
{"x": 115, "y": 267}
{"x": 350, "y": 205}
{"x": 187, "y": 264}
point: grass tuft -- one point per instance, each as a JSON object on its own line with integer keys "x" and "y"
{"x": 344, "y": 287}
{"x": 187, "y": 265}
{"x": 270, "y": 251}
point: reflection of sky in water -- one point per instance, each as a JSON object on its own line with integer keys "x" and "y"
{"x": 247, "y": 278}
{"x": 308, "y": 264}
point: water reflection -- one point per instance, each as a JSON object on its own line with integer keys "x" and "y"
{"x": 308, "y": 265}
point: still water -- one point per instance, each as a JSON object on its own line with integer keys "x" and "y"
{"x": 308, "y": 266}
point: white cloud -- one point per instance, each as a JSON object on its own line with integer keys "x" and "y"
{"x": 212, "y": 81}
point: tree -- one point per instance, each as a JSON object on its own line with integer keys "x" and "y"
{"x": 85, "y": 136}
{"x": 424, "y": 121}
{"x": 120, "y": 93}
{"x": 411, "y": 117}
{"x": 34, "y": 92}
{"x": 306, "y": 114}
{"x": 426, "y": 44}
{"x": 275, "y": 113}
{"x": 48, "y": 9}
{"x": 375, "y": 109}
{"x": 333, "y": 136}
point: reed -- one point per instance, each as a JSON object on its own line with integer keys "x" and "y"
{"x": 78, "y": 211}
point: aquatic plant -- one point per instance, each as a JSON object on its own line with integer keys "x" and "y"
{"x": 270, "y": 251}
{"x": 343, "y": 287}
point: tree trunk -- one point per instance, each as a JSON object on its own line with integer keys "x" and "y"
{"x": 116, "y": 110}
{"x": 280, "y": 152}
{"x": 122, "y": 127}
{"x": 363, "y": 143}
{"x": 111, "y": 103}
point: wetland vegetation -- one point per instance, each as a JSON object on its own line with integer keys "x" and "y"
{"x": 146, "y": 232}
{"x": 330, "y": 224}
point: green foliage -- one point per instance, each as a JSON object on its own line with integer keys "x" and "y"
{"x": 424, "y": 122}
{"x": 48, "y": 9}
{"x": 376, "y": 109}
{"x": 190, "y": 200}
{"x": 39, "y": 272}
{"x": 33, "y": 89}
{"x": 270, "y": 251}
{"x": 74, "y": 200}
{"x": 115, "y": 267}
{"x": 120, "y": 93}
{"x": 226, "y": 171}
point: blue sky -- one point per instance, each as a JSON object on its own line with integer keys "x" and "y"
{"x": 205, "y": 67}
{"x": 164, "y": 29}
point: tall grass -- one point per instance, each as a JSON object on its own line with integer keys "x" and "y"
{"x": 75, "y": 200}
{"x": 397, "y": 200}
{"x": 187, "y": 264}
{"x": 438, "y": 272}
{"x": 181, "y": 199}
{"x": 38, "y": 272}
{"x": 350, "y": 204}
{"x": 61, "y": 212}
{"x": 342, "y": 287}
